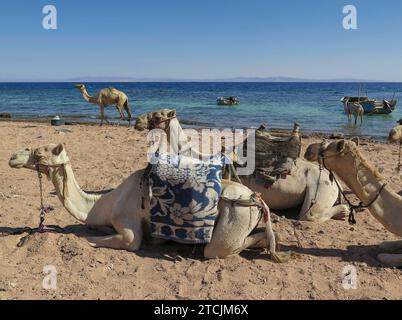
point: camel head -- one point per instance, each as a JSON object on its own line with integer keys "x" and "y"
{"x": 42, "y": 158}
{"x": 395, "y": 135}
{"x": 22, "y": 159}
{"x": 80, "y": 87}
{"x": 330, "y": 152}
{"x": 155, "y": 120}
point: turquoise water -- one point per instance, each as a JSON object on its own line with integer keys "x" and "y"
{"x": 315, "y": 106}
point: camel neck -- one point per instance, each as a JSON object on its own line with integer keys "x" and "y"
{"x": 86, "y": 96}
{"x": 77, "y": 202}
{"x": 366, "y": 184}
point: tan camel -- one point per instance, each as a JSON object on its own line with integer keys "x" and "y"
{"x": 305, "y": 187}
{"x": 107, "y": 97}
{"x": 353, "y": 108}
{"x": 395, "y": 135}
{"x": 124, "y": 210}
{"x": 344, "y": 159}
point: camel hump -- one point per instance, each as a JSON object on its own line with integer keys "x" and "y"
{"x": 235, "y": 191}
{"x": 112, "y": 90}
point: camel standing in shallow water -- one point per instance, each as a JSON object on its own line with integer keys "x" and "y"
{"x": 300, "y": 188}
{"x": 353, "y": 108}
{"x": 343, "y": 158}
{"x": 107, "y": 97}
{"x": 126, "y": 209}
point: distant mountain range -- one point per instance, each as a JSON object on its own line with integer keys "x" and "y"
{"x": 133, "y": 79}
{"x": 237, "y": 79}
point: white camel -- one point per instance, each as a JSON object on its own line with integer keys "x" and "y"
{"x": 353, "y": 108}
{"x": 344, "y": 158}
{"x": 306, "y": 186}
{"x": 126, "y": 209}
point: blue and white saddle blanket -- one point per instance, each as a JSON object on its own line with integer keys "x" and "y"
{"x": 185, "y": 196}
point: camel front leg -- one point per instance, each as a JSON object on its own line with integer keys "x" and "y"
{"x": 128, "y": 238}
{"x": 318, "y": 204}
{"x": 103, "y": 229}
{"x": 390, "y": 260}
{"x": 391, "y": 246}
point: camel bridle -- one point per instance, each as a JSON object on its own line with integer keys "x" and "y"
{"x": 42, "y": 228}
{"x": 352, "y": 208}
{"x": 153, "y": 122}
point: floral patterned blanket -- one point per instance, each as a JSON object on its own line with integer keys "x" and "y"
{"x": 185, "y": 196}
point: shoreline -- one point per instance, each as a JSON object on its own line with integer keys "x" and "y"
{"x": 71, "y": 121}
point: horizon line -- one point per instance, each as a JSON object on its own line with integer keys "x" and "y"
{"x": 105, "y": 79}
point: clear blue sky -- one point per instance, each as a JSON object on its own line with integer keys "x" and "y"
{"x": 201, "y": 39}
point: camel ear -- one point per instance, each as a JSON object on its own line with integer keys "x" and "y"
{"x": 172, "y": 114}
{"x": 59, "y": 149}
{"x": 340, "y": 145}
{"x": 355, "y": 140}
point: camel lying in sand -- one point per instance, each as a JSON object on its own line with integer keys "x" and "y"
{"x": 343, "y": 158}
{"x": 127, "y": 208}
{"x": 353, "y": 108}
{"x": 297, "y": 189}
{"x": 107, "y": 97}
{"x": 395, "y": 135}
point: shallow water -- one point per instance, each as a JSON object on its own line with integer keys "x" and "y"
{"x": 315, "y": 106}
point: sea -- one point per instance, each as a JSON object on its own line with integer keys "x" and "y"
{"x": 315, "y": 106}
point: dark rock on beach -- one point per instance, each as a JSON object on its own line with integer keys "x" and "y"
{"x": 5, "y": 115}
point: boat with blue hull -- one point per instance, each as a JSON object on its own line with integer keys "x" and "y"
{"x": 372, "y": 106}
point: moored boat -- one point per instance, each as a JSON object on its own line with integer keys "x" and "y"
{"x": 230, "y": 101}
{"x": 372, "y": 106}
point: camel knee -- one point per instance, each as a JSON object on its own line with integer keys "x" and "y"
{"x": 317, "y": 215}
{"x": 212, "y": 251}
{"x": 131, "y": 234}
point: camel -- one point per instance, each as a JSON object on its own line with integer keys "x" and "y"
{"x": 305, "y": 187}
{"x": 107, "y": 97}
{"x": 344, "y": 159}
{"x": 125, "y": 211}
{"x": 395, "y": 135}
{"x": 353, "y": 108}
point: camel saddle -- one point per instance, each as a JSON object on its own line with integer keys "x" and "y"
{"x": 185, "y": 196}
{"x": 274, "y": 156}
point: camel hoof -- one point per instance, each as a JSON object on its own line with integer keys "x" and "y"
{"x": 91, "y": 242}
{"x": 281, "y": 257}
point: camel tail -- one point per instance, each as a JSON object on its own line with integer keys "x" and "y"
{"x": 271, "y": 241}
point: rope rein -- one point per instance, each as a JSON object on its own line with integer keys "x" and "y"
{"x": 43, "y": 210}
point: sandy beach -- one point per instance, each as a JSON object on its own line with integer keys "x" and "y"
{"x": 102, "y": 157}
